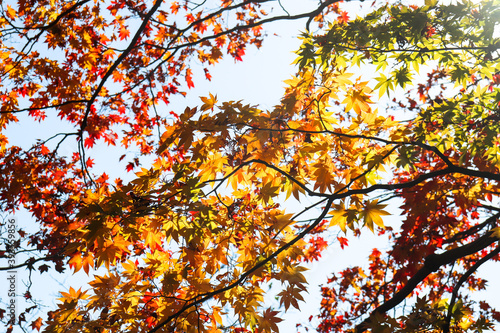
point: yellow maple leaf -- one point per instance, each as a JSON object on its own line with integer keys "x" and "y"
{"x": 372, "y": 213}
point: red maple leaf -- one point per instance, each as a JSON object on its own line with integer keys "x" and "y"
{"x": 44, "y": 150}
{"x": 343, "y": 17}
{"x": 189, "y": 78}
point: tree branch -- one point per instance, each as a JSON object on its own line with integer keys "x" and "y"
{"x": 29, "y": 262}
{"x": 205, "y": 297}
{"x": 432, "y": 263}
{"x": 470, "y": 271}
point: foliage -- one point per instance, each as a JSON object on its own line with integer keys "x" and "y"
{"x": 192, "y": 242}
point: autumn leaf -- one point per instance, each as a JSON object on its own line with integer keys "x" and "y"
{"x": 37, "y": 324}
{"x": 339, "y": 217}
{"x": 290, "y": 296}
{"x": 189, "y": 78}
{"x": 124, "y": 33}
{"x": 44, "y": 150}
{"x": 208, "y": 103}
{"x": 269, "y": 321}
{"x": 372, "y": 213}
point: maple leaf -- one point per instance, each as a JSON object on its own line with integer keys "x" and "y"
{"x": 208, "y": 103}
{"x": 37, "y": 324}
{"x": 78, "y": 261}
{"x": 290, "y": 296}
{"x": 89, "y": 142}
{"x": 325, "y": 178}
{"x": 268, "y": 191}
{"x": 11, "y": 12}
{"x": 118, "y": 77}
{"x": 358, "y": 98}
{"x": 343, "y": 17}
{"x": 43, "y": 268}
{"x": 189, "y": 78}
{"x": 44, "y": 150}
{"x": 269, "y": 321}
{"x": 343, "y": 242}
{"x": 174, "y": 6}
{"x": 130, "y": 166}
{"x": 207, "y": 74}
{"x": 339, "y": 217}
{"x": 372, "y": 213}
{"x": 124, "y": 33}
{"x": 73, "y": 294}
{"x": 239, "y": 53}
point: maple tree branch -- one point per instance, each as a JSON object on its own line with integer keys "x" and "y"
{"x": 282, "y": 7}
{"x": 470, "y": 231}
{"x": 117, "y": 62}
{"x": 174, "y": 49}
{"x": 419, "y": 50}
{"x": 407, "y": 184}
{"x": 53, "y": 23}
{"x": 318, "y": 11}
{"x": 47, "y": 107}
{"x": 170, "y": 48}
{"x": 435, "y": 150}
{"x": 419, "y": 179}
{"x": 216, "y": 13}
{"x": 205, "y": 297}
{"x": 309, "y": 15}
{"x": 65, "y": 136}
{"x": 106, "y": 76}
{"x": 476, "y": 173}
{"x": 359, "y": 136}
{"x": 432, "y": 263}
{"x": 308, "y": 208}
{"x": 29, "y": 262}
{"x": 470, "y": 271}
{"x": 286, "y": 174}
{"x": 60, "y": 16}
{"x": 496, "y": 209}
{"x": 34, "y": 39}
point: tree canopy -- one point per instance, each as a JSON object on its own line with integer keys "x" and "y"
{"x": 399, "y": 107}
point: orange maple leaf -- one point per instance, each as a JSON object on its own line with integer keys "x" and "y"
{"x": 124, "y": 33}
{"x": 37, "y": 324}
{"x": 44, "y": 150}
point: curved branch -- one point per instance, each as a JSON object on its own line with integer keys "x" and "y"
{"x": 432, "y": 263}
{"x": 48, "y": 106}
{"x": 29, "y": 263}
{"x": 117, "y": 63}
{"x": 415, "y": 50}
{"x": 309, "y": 15}
{"x": 425, "y": 146}
{"x": 275, "y": 168}
{"x": 83, "y": 125}
{"x": 470, "y": 271}
{"x": 60, "y": 16}
{"x": 42, "y": 30}
{"x": 419, "y": 179}
{"x": 205, "y": 297}
{"x": 173, "y": 49}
